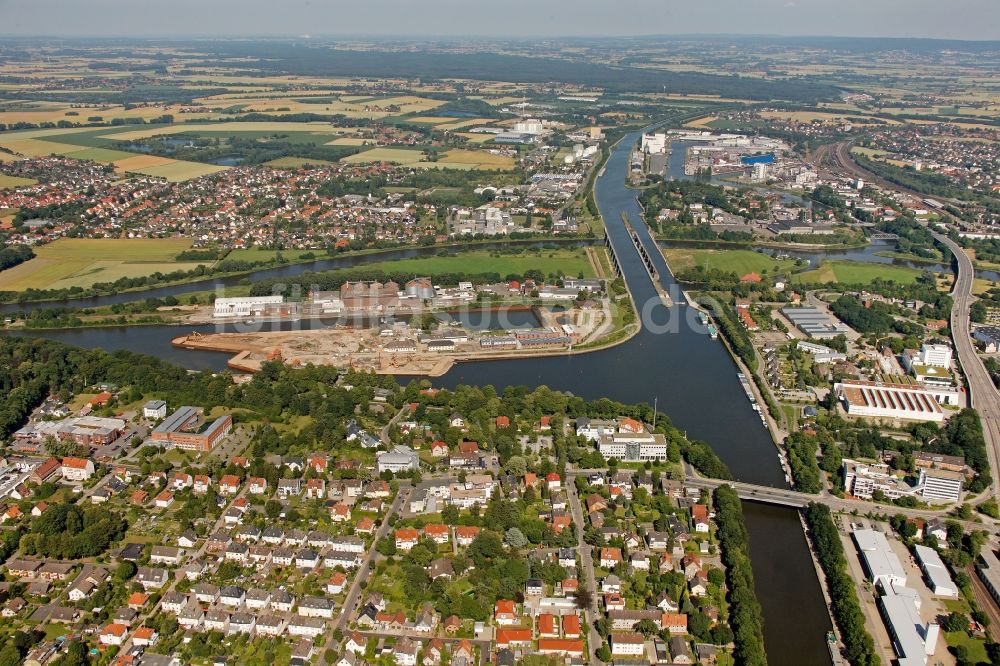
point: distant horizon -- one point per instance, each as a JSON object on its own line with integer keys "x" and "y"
{"x": 961, "y": 20}
{"x": 459, "y": 38}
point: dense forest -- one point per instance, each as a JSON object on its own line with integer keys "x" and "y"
{"x": 320, "y": 60}
{"x": 13, "y": 255}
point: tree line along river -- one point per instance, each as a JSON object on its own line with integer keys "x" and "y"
{"x": 692, "y": 376}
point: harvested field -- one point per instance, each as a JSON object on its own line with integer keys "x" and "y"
{"x": 81, "y": 262}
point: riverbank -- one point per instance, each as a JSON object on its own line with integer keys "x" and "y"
{"x": 756, "y": 242}
{"x": 208, "y": 278}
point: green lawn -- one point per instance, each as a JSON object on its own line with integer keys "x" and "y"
{"x": 975, "y": 646}
{"x": 853, "y": 272}
{"x": 568, "y": 262}
{"x": 261, "y": 254}
{"x": 740, "y": 262}
{"x": 14, "y": 181}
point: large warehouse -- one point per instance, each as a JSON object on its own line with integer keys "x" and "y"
{"x": 892, "y": 401}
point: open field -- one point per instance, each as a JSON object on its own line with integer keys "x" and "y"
{"x": 348, "y": 141}
{"x": 92, "y": 146}
{"x": 740, "y": 262}
{"x": 874, "y": 154}
{"x": 473, "y": 137}
{"x": 178, "y": 170}
{"x": 402, "y": 156}
{"x": 14, "y": 181}
{"x": 568, "y": 262}
{"x": 261, "y": 126}
{"x": 296, "y": 162}
{"x": 477, "y": 159}
{"x": 852, "y": 272}
{"x": 81, "y": 262}
{"x": 705, "y": 121}
{"x": 261, "y": 254}
{"x": 135, "y": 162}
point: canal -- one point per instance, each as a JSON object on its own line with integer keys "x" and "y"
{"x": 672, "y": 360}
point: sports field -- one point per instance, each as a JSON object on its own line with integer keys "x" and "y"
{"x": 568, "y": 262}
{"x": 853, "y": 272}
{"x": 80, "y": 262}
{"x": 740, "y": 262}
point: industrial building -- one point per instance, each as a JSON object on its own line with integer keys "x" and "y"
{"x": 935, "y": 572}
{"x": 815, "y": 323}
{"x": 899, "y": 606}
{"x": 912, "y": 639}
{"x": 988, "y": 569}
{"x": 245, "y": 306}
{"x": 186, "y": 429}
{"x": 892, "y": 401}
{"x": 85, "y": 430}
{"x": 820, "y": 353}
{"x": 878, "y": 559}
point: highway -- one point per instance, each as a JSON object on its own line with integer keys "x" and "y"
{"x": 983, "y": 395}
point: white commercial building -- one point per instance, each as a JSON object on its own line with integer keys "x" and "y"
{"x": 654, "y": 143}
{"x": 862, "y": 480}
{"x": 893, "y": 401}
{"x": 936, "y": 355}
{"x": 400, "y": 459}
{"x": 940, "y": 484}
{"x": 878, "y": 558}
{"x": 245, "y": 306}
{"x": 633, "y": 447}
{"x": 154, "y": 409}
{"x": 935, "y": 572}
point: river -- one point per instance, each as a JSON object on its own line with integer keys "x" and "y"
{"x": 691, "y": 375}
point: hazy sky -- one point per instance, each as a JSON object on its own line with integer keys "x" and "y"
{"x": 956, "y": 19}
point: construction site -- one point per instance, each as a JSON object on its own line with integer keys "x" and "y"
{"x": 398, "y": 349}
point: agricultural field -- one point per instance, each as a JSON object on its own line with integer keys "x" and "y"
{"x": 740, "y": 262}
{"x": 476, "y": 159}
{"x": 14, "y": 181}
{"x": 93, "y": 145}
{"x": 180, "y": 170}
{"x": 296, "y": 162}
{"x": 80, "y": 262}
{"x": 474, "y": 137}
{"x": 568, "y": 262}
{"x": 403, "y": 156}
{"x": 852, "y": 272}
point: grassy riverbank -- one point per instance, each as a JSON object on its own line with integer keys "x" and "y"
{"x": 291, "y": 258}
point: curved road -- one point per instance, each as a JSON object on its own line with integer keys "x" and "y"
{"x": 983, "y": 395}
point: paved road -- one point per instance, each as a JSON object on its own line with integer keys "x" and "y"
{"x": 173, "y": 579}
{"x": 982, "y": 393}
{"x": 351, "y": 606}
{"x": 587, "y": 563}
{"x": 796, "y": 499}
{"x": 383, "y": 434}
